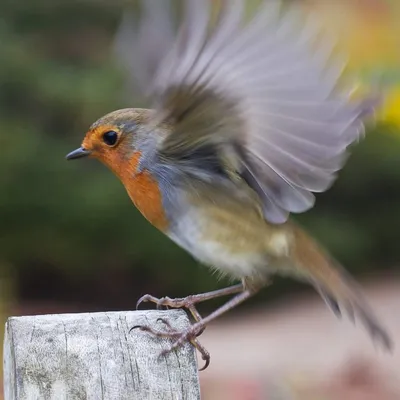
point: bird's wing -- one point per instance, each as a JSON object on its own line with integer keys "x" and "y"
{"x": 141, "y": 47}
{"x": 262, "y": 89}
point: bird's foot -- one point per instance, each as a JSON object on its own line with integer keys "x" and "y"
{"x": 188, "y": 302}
{"x": 180, "y": 302}
{"x": 191, "y": 334}
{"x": 180, "y": 337}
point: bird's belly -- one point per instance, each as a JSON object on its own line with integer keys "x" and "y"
{"x": 221, "y": 258}
{"x": 234, "y": 246}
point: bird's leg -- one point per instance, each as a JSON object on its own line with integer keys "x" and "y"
{"x": 189, "y": 302}
{"x": 172, "y": 333}
{"x": 190, "y": 334}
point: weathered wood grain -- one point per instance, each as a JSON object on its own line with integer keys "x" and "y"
{"x": 94, "y": 356}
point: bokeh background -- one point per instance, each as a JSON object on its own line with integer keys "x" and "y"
{"x": 71, "y": 241}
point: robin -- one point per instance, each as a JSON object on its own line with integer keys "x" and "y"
{"x": 248, "y": 121}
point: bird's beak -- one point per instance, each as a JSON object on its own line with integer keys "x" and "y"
{"x": 78, "y": 153}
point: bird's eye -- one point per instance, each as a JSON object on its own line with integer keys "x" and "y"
{"x": 110, "y": 138}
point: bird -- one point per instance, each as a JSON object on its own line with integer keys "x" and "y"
{"x": 249, "y": 117}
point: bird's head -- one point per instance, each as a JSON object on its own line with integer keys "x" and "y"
{"x": 113, "y": 139}
{"x": 121, "y": 140}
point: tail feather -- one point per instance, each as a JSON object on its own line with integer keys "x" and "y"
{"x": 347, "y": 299}
{"x": 340, "y": 292}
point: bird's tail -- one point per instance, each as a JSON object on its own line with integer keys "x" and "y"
{"x": 340, "y": 292}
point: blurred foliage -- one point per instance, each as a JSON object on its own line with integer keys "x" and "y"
{"x": 58, "y": 75}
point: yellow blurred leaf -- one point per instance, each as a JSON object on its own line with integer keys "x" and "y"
{"x": 390, "y": 111}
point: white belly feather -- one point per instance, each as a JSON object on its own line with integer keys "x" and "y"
{"x": 237, "y": 259}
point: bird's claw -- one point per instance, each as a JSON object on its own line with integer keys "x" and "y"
{"x": 188, "y": 335}
{"x": 181, "y": 302}
{"x": 188, "y": 302}
{"x": 149, "y": 298}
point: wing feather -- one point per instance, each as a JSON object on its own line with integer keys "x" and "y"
{"x": 271, "y": 87}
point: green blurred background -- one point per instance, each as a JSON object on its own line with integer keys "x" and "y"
{"x": 68, "y": 228}
{"x": 70, "y": 239}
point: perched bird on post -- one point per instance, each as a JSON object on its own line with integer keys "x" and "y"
{"x": 248, "y": 120}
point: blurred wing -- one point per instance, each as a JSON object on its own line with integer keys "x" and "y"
{"x": 141, "y": 48}
{"x": 264, "y": 89}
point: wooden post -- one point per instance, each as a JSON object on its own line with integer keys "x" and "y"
{"x": 93, "y": 356}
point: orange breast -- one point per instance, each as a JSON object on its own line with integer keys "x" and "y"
{"x": 144, "y": 191}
